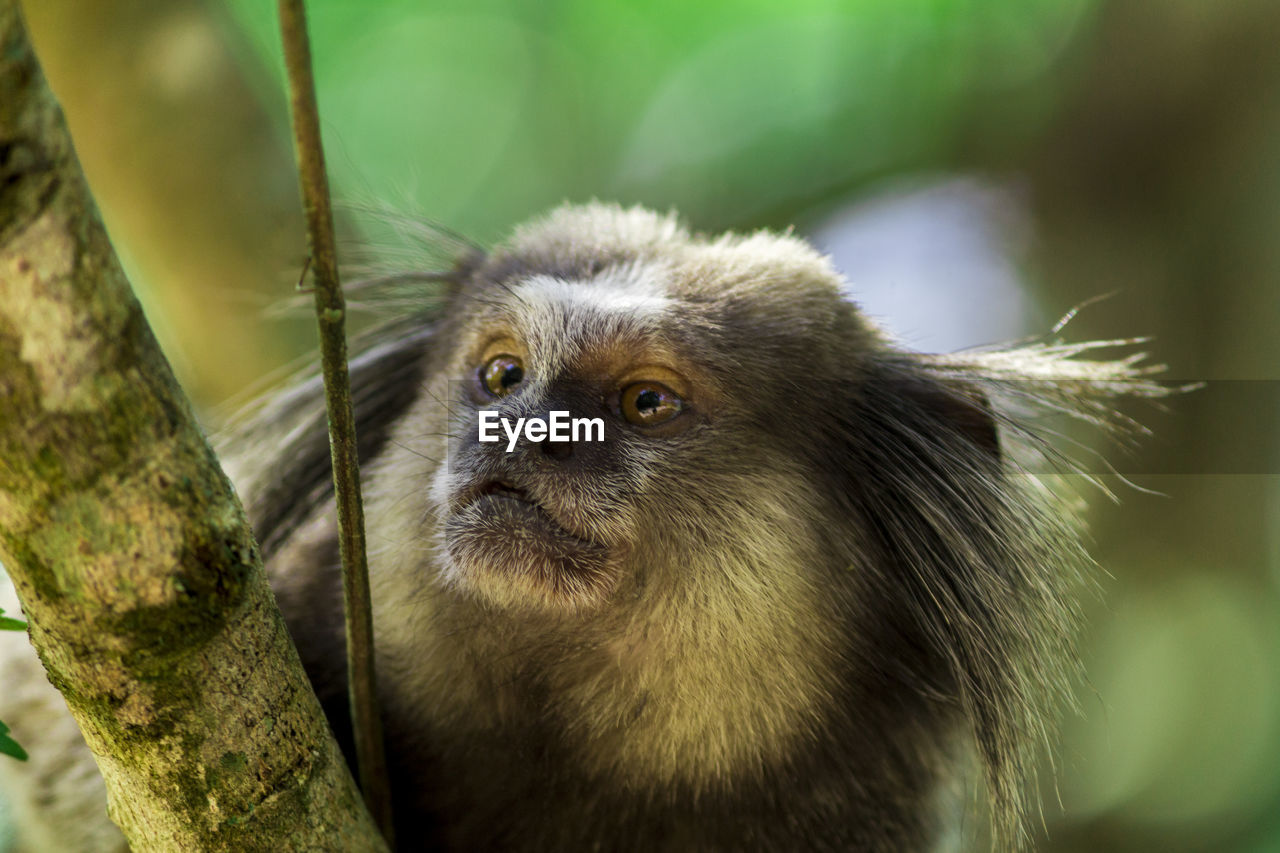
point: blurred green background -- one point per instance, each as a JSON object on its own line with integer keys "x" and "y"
{"x": 976, "y": 167}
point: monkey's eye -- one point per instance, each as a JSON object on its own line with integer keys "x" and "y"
{"x": 649, "y": 403}
{"x": 501, "y": 374}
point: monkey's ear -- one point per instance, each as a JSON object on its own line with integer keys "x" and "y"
{"x": 964, "y": 407}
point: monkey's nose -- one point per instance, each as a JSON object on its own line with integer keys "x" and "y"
{"x": 558, "y": 450}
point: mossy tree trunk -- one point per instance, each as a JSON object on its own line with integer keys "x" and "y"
{"x": 133, "y": 559}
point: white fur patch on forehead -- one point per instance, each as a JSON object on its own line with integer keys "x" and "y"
{"x": 779, "y": 273}
{"x": 556, "y": 317}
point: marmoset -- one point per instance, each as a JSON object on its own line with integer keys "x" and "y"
{"x": 802, "y": 591}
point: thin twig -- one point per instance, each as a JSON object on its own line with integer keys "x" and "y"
{"x": 331, "y": 314}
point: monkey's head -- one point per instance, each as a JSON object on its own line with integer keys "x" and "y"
{"x": 770, "y": 526}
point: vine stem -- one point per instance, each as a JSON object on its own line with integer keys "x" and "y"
{"x": 331, "y": 318}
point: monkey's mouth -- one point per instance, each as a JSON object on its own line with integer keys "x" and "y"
{"x": 504, "y": 489}
{"x": 512, "y": 547}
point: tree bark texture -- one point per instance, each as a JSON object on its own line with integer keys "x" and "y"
{"x": 128, "y": 548}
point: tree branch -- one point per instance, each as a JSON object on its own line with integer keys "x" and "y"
{"x": 132, "y": 557}
{"x": 366, "y": 721}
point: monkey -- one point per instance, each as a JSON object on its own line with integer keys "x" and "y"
{"x": 805, "y": 589}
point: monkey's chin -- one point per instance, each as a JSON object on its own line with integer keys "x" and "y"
{"x": 510, "y": 551}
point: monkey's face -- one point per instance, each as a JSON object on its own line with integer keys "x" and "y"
{"x": 569, "y": 408}
{"x": 681, "y": 451}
